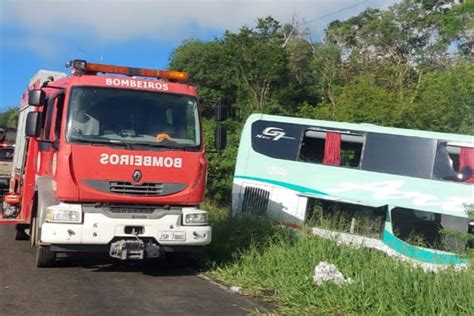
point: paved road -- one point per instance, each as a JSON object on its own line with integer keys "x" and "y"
{"x": 95, "y": 286}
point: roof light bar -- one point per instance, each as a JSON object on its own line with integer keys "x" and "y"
{"x": 83, "y": 67}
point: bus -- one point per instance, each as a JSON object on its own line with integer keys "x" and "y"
{"x": 406, "y": 192}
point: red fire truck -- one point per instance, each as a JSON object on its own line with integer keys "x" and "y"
{"x": 109, "y": 159}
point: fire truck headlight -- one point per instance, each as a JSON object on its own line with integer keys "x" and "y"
{"x": 56, "y": 215}
{"x": 195, "y": 219}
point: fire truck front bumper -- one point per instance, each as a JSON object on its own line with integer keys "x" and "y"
{"x": 186, "y": 227}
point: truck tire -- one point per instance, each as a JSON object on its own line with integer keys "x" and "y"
{"x": 45, "y": 258}
{"x": 20, "y": 233}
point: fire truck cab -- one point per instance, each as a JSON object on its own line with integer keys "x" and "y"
{"x": 109, "y": 163}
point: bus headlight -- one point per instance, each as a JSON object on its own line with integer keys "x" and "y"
{"x": 195, "y": 219}
{"x": 61, "y": 215}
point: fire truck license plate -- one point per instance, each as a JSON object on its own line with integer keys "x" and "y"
{"x": 171, "y": 235}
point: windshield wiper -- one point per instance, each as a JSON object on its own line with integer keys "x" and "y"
{"x": 131, "y": 146}
{"x": 96, "y": 142}
{"x": 170, "y": 147}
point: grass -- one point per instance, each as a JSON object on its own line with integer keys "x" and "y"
{"x": 272, "y": 264}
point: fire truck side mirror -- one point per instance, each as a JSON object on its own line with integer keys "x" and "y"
{"x": 36, "y": 97}
{"x": 31, "y": 127}
{"x": 221, "y": 136}
{"x": 222, "y": 113}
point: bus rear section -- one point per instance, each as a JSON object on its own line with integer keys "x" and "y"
{"x": 397, "y": 190}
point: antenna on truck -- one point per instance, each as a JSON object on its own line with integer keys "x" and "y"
{"x": 82, "y": 67}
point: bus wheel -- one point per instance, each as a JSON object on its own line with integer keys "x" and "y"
{"x": 20, "y": 233}
{"x": 45, "y": 258}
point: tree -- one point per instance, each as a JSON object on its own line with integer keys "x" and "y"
{"x": 328, "y": 74}
{"x": 9, "y": 118}
{"x": 209, "y": 69}
{"x": 259, "y": 60}
{"x": 445, "y": 102}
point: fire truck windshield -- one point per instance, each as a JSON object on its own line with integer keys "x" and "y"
{"x": 132, "y": 117}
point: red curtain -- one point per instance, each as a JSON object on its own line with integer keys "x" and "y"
{"x": 466, "y": 158}
{"x": 332, "y": 149}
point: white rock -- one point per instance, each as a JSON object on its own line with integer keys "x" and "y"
{"x": 326, "y": 272}
{"x": 235, "y": 289}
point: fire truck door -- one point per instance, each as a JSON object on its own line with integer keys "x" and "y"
{"x": 50, "y": 134}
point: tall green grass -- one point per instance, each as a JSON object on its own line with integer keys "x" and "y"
{"x": 269, "y": 262}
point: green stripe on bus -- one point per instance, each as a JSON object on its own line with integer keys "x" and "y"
{"x": 290, "y": 186}
{"x": 417, "y": 253}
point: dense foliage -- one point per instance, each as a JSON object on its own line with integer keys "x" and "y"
{"x": 408, "y": 66}
{"x": 9, "y": 118}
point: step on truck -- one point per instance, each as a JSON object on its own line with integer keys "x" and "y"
{"x": 109, "y": 159}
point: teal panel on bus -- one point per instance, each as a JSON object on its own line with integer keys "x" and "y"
{"x": 290, "y": 186}
{"x": 421, "y": 254}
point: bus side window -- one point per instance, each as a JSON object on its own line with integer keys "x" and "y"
{"x": 429, "y": 230}
{"x": 332, "y": 148}
{"x": 312, "y": 148}
{"x": 450, "y": 160}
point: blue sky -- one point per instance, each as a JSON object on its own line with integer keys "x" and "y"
{"x": 45, "y": 34}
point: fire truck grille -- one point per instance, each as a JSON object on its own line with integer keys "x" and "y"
{"x": 146, "y": 189}
{"x": 127, "y": 188}
{"x": 130, "y": 210}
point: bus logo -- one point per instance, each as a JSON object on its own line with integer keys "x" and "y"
{"x": 273, "y": 133}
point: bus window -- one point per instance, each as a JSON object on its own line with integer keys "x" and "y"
{"x": 429, "y": 230}
{"x": 446, "y": 164}
{"x": 400, "y": 155}
{"x": 331, "y": 148}
{"x": 450, "y": 160}
{"x": 312, "y": 148}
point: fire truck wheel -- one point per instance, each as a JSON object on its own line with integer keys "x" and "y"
{"x": 45, "y": 258}
{"x": 20, "y": 233}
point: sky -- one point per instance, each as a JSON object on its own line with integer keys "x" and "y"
{"x": 45, "y": 34}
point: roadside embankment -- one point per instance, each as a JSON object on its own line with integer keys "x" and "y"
{"x": 272, "y": 264}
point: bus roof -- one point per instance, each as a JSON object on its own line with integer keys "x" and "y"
{"x": 364, "y": 127}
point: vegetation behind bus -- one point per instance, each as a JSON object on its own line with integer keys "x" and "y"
{"x": 411, "y": 80}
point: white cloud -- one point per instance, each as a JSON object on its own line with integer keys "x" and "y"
{"x": 119, "y": 20}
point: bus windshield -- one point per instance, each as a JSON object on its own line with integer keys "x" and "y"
{"x": 132, "y": 117}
